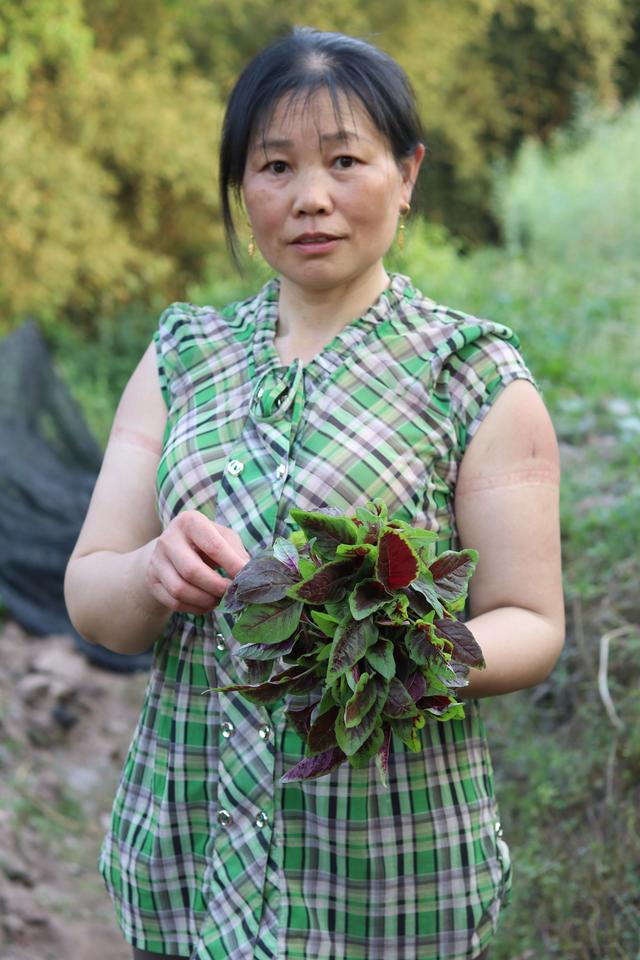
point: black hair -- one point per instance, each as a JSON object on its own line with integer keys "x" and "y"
{"x": 303, "y": 62}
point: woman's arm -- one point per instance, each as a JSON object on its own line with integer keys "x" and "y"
{"x": 125, "y": 576}
{"x": 507, "y": 508}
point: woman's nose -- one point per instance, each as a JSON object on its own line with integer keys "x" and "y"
{"x": 312, "y": 195}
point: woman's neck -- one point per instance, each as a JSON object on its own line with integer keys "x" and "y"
{"x": 309, "y": 319}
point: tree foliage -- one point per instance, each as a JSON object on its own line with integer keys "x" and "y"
{"x": 110, "y": 115}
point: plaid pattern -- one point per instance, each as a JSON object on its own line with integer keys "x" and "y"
{"x": 209, "y": 856}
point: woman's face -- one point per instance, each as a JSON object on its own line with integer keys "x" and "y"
{"x": 323, "y": 192}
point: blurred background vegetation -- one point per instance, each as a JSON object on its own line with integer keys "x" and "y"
{"x": 109, "y": 123}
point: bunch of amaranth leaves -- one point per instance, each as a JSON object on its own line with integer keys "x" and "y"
{"x": 362, "y": 610}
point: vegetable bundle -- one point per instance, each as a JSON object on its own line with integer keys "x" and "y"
{"x": 360, "y": 609}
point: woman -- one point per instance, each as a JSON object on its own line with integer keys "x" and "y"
{"x": 336, "y": 384}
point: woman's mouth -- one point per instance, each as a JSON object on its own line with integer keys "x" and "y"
{"x": 315, "y": 242}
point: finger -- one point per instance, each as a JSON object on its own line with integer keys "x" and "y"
{"x": 183, "y": 600}
{"x": 234, "y": 541}
{"x": 209, "y": 538}
{"x": 195, "y": 571}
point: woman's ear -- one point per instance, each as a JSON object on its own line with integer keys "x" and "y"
{"x": 410, "y": 167}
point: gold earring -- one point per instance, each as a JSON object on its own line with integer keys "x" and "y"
{"x": 404, "y": 213}
{"x": 251, "y": 246}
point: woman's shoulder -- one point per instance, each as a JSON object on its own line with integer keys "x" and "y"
{"x": 189, "y": 337}
{"x": 447, "y": 330}
{"x": 183, "y": 325}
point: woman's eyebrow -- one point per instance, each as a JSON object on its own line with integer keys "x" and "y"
{"x": 339, "y": 136}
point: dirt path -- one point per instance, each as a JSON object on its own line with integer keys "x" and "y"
{"x": 65, "y": 726}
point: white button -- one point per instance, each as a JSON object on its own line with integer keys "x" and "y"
{"x": 224, "y": 818}
{"x": 260, "y": 393}
{"x": 262, "y": 819}
{"x": 264, "y": 731}
{"x": 234, "y": 467}
{"x": 227, "y": 729}
{"x": 281, "y": 471}
{"x": 220, "y": 644}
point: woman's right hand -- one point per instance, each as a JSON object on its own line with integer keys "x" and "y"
{"x": 180, "y": 572}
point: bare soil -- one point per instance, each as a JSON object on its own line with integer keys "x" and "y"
{"x": 65, "y": 726}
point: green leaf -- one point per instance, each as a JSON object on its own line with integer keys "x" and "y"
{"x": 361, "y": 701}
{"x": 351, "y": 739}
{"x": 324, "y": 653}
{"x": 326, "y": 623}
{"x": 367, "y": 597}
{"x": 306, "y": 567}
{"x": 397, "y": 609}
{"x": 419, "y": 538}
{"x": 356, "y": 550}
{"x": 329, "y": 531}
{"x": 397, "y": 563}
{"x": 375, "y": 511}
{"x": 380, "y": 657}
{"x": 451, "y": 572}
{"x": 406, "y": 731}
{"x": 351, "y": 641}
{"x": 424, "y": 585}
{"x": 371, "y": 746}
{"x": 268, "y": 622}
{"x": 327, "y": 701}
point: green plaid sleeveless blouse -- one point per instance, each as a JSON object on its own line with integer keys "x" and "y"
{"x": 209, "y": 855}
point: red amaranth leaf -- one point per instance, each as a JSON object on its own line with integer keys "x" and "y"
{"x": 419, "y": 645}
{"x": 451, "y": 572}
{"x": 263, "y": 580}
{"x": 368, "y": 596}
{"x": 361, "y": 701}
{"x": 399, "y": 702}
{"x": 416, "y": 685}
{"x": 382, "y": 756}
{"x": 436, "y": 705}
{"x": 329, "y": 583}
{"x": 397, "y": 564}
{"x": 351, "y": 641}
{"x": 294, "y": 680}
{"x": 465, "y": 646}
{"x": 329, "y": 531}
{"x": 301, "y": 719}
{"x": 311, "y": 767}
{"x": 322, "y": 733}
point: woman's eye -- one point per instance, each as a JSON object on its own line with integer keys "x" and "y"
{"x": 344, "y": 163}
{"x": 277, "y": 166}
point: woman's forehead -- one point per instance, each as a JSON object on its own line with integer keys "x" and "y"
{"x": 316, "y": 114}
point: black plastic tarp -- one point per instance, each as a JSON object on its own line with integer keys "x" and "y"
{"x": 49, "y": 462}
